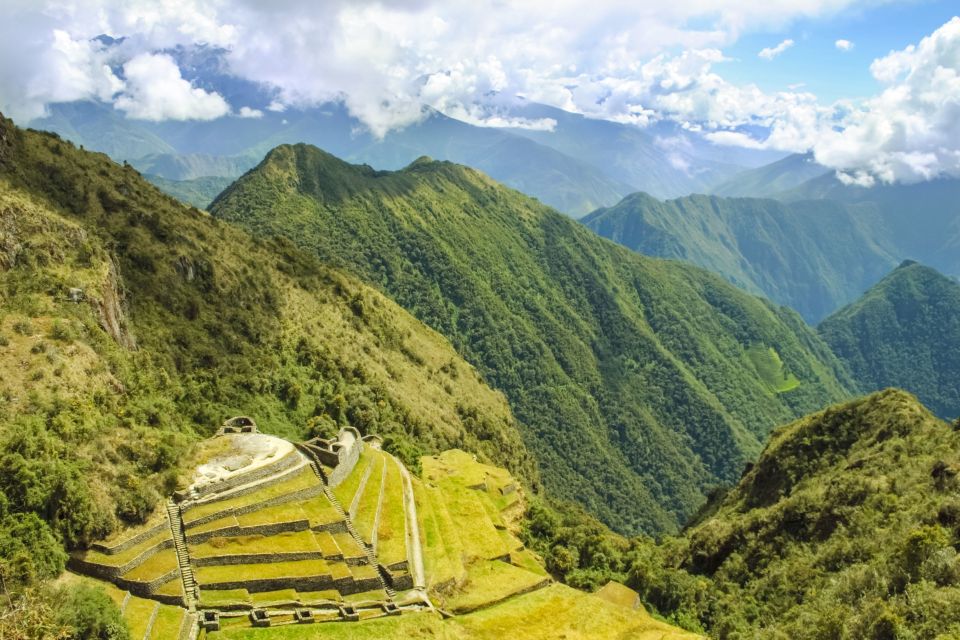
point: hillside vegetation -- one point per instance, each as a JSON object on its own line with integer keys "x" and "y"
{"x": 631, "y": 377}
{"x": 904, "y": 332}
{"x": 846, "y": 527}
{"x": 130, "y": 324}
{"x": 813, "y": 256}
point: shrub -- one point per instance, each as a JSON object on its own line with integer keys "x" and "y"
{"x": 90, "y": 614}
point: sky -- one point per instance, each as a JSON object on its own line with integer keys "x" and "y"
{"x": 870, "y": 87}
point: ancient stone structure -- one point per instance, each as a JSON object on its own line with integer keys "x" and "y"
{"x": 337, "y": 456}
{"x": 259, "y": 515}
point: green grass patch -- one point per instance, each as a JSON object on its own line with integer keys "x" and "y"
{"x": 327, "y": 544}
{"x": 367, "y": 507}
{"x": 770, "y": 367}
{"x": 437, "y": 565}
{"x": 319, "y": 597}
{"x": 348, "y": 545}
{"x": 137, "y": 614}
{"x": 213, "y": 598}
{"x": 168, "y": 623}
{"x": 392, "y": 528}
{"x": 300, "y": 480}
{"x": 280, "y": 596}
{"x": 288, "y": 542}
{"x": 172, "y": 587}
{"x": 491, "y": 581}
{"x": 160, "y": 563}
{"x": 117, "y": 559}
{"x": 346, "y": 489}
{"x": 213, "y": 525}
{"x": 260, "y": 571}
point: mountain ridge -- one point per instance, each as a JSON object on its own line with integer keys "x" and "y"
{"x": 568, "y": 325}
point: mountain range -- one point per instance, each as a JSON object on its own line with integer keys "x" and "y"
{"x": 638, "y": 382}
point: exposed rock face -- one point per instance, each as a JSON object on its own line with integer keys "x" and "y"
{"x": 110, "y": 311}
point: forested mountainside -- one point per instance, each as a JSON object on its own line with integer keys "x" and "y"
{"x": 638, "y": 383}
{"x": 773, "y": 179}
{"x": 904, "y": 332}
{"x": 813, "y": 256}
{"x": 846, "y": 527}
{"x": 131, "y": 324}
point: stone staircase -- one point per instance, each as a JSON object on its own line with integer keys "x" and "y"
{"x": 190, "y": 595}
{"x": 371, "y": 557}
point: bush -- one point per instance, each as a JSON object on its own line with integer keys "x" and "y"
{"x": 29, "y": 551}
{"x": 89, "y": 614}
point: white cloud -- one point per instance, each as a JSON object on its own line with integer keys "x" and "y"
{"x": 155, "y": 90}
{"x": 770, "y": 53}
{"x": 911, "y": 131}
{"x": 843, "y": 45}
{"x": 249, "y": 112}
{"x": 391, "y": 61}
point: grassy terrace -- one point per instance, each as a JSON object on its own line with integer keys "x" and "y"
{"x": 159, "y": 518}
{"x": 137, "y": 614}
{"x": 304, "y": 478}
{"x": 392, "y": 529}
{"x": 477, "y": 532}
{"x": 260, "y": 571}
{"x": 327, "y": 544}
{"x": 346, "y": 489}
{"x": 159, "y": 564}
{"x": 437, "y": 564}
{"x": 348, "y": 546}
{"x": 367, "y": 507}
{"x": 214, "y": 598}
{"x": 245, "y": 545}
{"x": 172, "y": 587}
{"x": 490, "y": 581}
{"x": 554, "y": 612}
{"x": 168, "y": 623}
{"x": 118, "y": 559}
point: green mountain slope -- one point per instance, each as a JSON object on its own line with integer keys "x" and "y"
{"x": 813, "y": 256}
{"x": 770, "y": 180}
{"x": 904, "y": 332}
{"x": 198, "y": 192}
{"x": 130, "y": 324}
{"x": 636, "y": 380}
{"x": 846, "y": 527}
{"x": 919, "y": 220}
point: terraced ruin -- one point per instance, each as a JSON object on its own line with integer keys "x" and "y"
{"x": 267, "y": 533}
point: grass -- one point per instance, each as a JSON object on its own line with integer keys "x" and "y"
{"x": 554, "y": 612}
{"x": 346, "y": 489}
{"x": 770, "y": 367}
{"x": 618, "y": 594}
{"x": 367, "y": 507}
{"x": 260, "y": 571}
{"x": 167, "y": 624}
{"x": 318, "y": 597}
{"x": 302, "y": 479}
{"x": 213, "y": 598}
{"x": 118, "y": 559}
{"x": 137, "y": 614}
{"x": 327, "y": 544}
{"x": 491, "y": 581}
{"x": 159, "y": 564}
{"x": 392, "y": 529}
{"x": 288, "y": 542}
{"x": 348, "y": 546}
{"x": 477, "y": 532}
{"x": 437, "y": 565}
{"x": 172, "y": 587}
{"x": 281, "y": 596}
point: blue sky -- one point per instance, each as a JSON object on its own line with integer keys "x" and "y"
{"x": 816, "y": 63}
